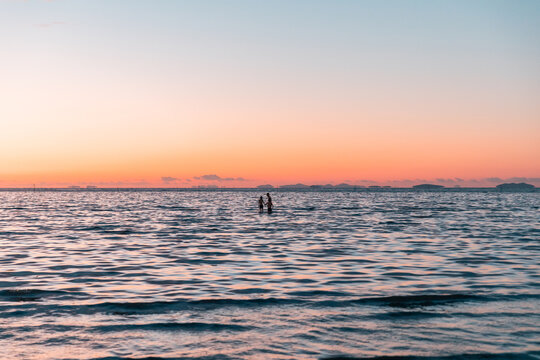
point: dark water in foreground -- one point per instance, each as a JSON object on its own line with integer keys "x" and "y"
{"x": 204, "y": 276}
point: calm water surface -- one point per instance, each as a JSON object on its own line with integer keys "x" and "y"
{"x": 203, "y": 275}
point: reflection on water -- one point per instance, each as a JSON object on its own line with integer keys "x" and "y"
{"x": 204, "y": 275}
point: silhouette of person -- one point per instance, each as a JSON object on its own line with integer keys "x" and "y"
{"x": 261, "y": 204}
{"x": 269, "y": 203}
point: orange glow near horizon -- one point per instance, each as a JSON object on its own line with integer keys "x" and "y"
{"x": 297, "y": 148}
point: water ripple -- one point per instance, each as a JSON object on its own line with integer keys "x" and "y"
{"x": 203, "y": 275}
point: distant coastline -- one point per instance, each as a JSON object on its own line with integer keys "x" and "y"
{"x": 507, "y": 187}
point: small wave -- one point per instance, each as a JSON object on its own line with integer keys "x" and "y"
{"x": 11, "y": 283}
{"x": 211, "y": 357}
{"x": 33, "y": 294}
{"x": 314, "y": 293}
{"x": 532, "y": 355}
{"x": 307, "y": 208}
{"x": 251, "y": 291}
{"x": 128, "y": 308}
{"x": 419, "y": 300}
{"x": 26, "y": 302}
{"x": 173, "y": 326}
{"x": 159, "y": 307}
{"x": 424, "y": 300}
{"x": 408, "y": 315}
{"x": 205, "y": 261}
{"x": 179, "y": 208}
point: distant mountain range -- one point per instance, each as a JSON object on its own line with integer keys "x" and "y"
{"x": 513, "y": 187}
{"x": 506, "y": 187}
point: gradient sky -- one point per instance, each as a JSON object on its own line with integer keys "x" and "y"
{"x": 163, "y": 92}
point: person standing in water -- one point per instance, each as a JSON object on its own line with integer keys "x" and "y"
{"x": 261, "y": 204}
{"x": 269, "y": 203}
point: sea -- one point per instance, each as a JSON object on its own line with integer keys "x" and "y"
{"x": 327, "y": 275}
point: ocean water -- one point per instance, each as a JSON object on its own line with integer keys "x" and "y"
{"x": 203, "y": 275}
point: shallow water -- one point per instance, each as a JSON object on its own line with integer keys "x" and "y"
{"x": 203, "y": 275}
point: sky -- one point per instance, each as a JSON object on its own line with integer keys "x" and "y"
{"x": 239, "y": 93}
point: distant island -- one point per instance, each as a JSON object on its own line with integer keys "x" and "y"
{"x": 430, "y": 187}
{"x": 343, "y": 187}
{"x": 294, "y": 187}
{"x": 516, "y": 187}
{"x": 265, "y": 187}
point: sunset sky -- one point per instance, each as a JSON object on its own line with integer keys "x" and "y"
{"x": 247, "y": 92}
